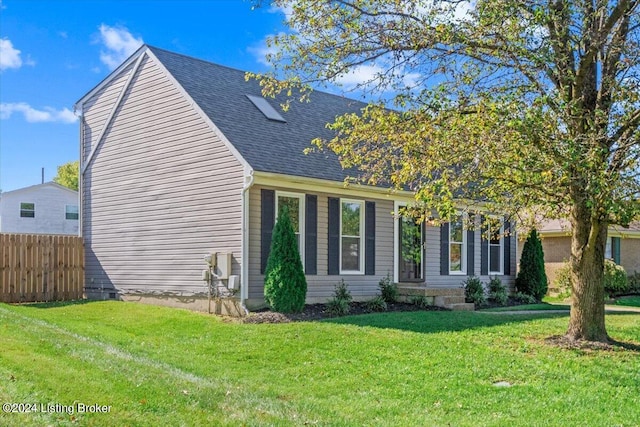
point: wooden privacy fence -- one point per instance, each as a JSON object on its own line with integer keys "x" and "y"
{"x": 39, "y": 267}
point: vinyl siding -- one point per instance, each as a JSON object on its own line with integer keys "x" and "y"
{"x": 321, "y": 286}
{"x": 432, "y": 262}
{"x": 163, "y": 190}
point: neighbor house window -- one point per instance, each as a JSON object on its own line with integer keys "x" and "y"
{"x": 457, "y": 246}
{"x": 71, "y": 212}
{"x": 351, "y": 233}
{"x": 495, "y": 230}
{"x": 295, "y": 203}
{"x": 607, "y": 249}
{"x": 27, "y": 210}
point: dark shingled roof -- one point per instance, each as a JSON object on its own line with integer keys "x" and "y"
{"x": 268, "y": 146}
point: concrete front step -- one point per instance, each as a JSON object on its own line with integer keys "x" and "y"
{"x": 451, "y": 298}
{"x": 465, "y": 306}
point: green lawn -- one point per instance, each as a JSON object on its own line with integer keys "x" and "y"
{"x": 161, "y": 366}
{"x": 532, "y": 307}
{"x": 630, "y": 301}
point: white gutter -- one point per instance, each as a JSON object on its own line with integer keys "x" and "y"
{"x": 244, "y": 275}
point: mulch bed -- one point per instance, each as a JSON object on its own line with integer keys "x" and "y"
{"x": 319, "y": 312}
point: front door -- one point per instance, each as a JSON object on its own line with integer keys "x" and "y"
{"x": 410, "y": 247}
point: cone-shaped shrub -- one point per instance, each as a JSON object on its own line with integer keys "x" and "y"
{"x": 285, "y": 287}
{"x": 532, "y": 279}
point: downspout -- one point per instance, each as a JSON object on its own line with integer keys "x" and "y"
{"x": 244, "y": 276}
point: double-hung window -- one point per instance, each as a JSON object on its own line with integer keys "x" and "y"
{"x": 457, "y": 246}
{"x": 295, "y": 203}
{"x": 27, "y": 210}
{"x": 352, "y": 236}
{"x": 495, "y": 237}
{"x": 71, "y": 212}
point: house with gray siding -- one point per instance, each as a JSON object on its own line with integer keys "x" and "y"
{"x": 181, "y": 158}
{"x": 47, "y": 208}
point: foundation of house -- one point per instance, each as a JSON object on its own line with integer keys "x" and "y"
{"x": 451, "y": 298}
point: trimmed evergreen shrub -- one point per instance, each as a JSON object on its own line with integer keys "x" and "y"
{"x": 474, "y": 291}
{"x": 285, "y": 287}
{"x": 532, "y": 279}
{"x": 497, "y": 291}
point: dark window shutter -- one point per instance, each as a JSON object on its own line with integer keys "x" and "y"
{"x": 333, "y": 243}
{"x": 615, "y": 249}
{"x": 370, "y": 238}
{"x": 424, "y": 252}
{"x": 507, "y": 248}
{"x": 311, "y": 235}
{"x": 267, "y": 220}
{"x": 471, "y": 251}
{"x": 484, "y": 248}
{"x": 444, "y": 249}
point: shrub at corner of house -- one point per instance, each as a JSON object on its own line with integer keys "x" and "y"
{"x": 474, "y": 291}
{"x": 388, "y": 290}
{"x": 285, "y": 286}
{"x": 339, "y": 304}
{"x": 615, "y": 279}
{"x": 497, "y": 291}
{"x": 532, "y": 279}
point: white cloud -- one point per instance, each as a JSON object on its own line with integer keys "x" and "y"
{"x": 365, "y": 75}
{"x": 119, "y": 44}
{"x": 261, "y": 51}
{"x": 31, "y": 115}
{"x": 9, "y": 56}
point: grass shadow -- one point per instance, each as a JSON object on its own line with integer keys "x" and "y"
{"x": 439, "y": 321}
{"x": 55, "y": 304}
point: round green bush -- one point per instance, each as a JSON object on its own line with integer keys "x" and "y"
{"x": 474, "y": 291}
{"x": 615, "y": 278}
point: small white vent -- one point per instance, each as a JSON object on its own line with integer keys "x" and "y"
{"x": 266, "y": 108}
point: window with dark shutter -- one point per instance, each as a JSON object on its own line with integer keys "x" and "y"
{"x": 311, "y": 236}
{"x": 267, "y": 220}
{"x": 333, "y": 242}
{"x": 370, "y": 238}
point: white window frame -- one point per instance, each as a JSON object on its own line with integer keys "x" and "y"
{"x": 500, "y": 244}
{"x": 66, "y": 212}
{"x": 463, "y": 251}
{"x": 608, "y": 249}
{"x": 301, "y": 217}
{"x": 28, "y": 210}
{"x": 361, "y": 236}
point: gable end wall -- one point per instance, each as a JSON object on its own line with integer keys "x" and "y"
{"x": 162, "y": 191}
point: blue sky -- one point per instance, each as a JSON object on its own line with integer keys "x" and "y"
{"x": 53, "y": 52}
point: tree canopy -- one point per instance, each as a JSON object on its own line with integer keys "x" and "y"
{"x": 524, "y": 107}
{"x": 68, "y": 175}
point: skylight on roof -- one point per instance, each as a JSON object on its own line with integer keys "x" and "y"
{"x": 266, "y": 108}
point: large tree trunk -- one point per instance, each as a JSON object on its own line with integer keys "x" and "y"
{"x": 587, "y": 271}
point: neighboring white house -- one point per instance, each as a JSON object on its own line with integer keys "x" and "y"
{"x": 47, "y": 208}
